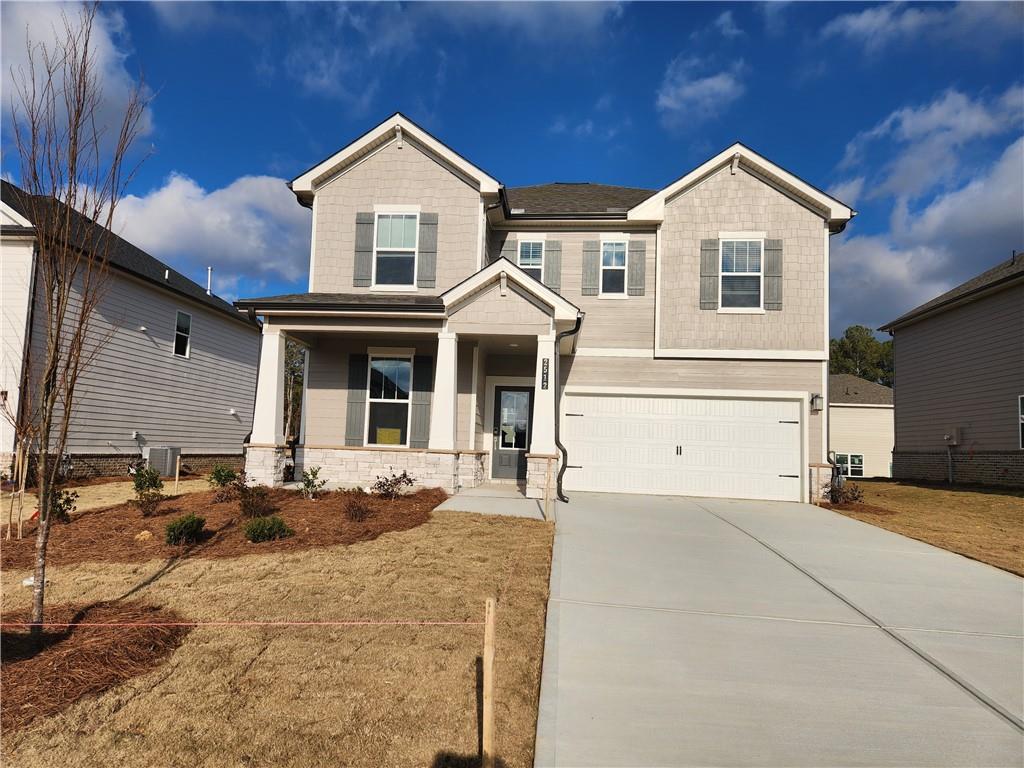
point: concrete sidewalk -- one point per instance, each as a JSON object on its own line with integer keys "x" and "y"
{"x": 716, "y": 632}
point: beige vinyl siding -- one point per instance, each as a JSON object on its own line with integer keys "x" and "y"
{"x": 16, "y": 264}
{"x": 327, "y": 392}
{"x": 492, "y": 313}
{"x": 135, "y": 382}
{"x": 393, "y": 176}
{"x": 727, "y": 202}
{"x": 789, "y": 375}
{"x": 962, "y": 368}
{"x": 865, "y": 430}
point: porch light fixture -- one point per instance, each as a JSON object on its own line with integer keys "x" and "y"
{"x": 816, "y": 402}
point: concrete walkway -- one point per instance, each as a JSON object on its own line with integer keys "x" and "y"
{"x": 686, "y": 632}
{"x": 494, "y": 499}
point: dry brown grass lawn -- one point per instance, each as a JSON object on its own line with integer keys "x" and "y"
{"x": 99, "y": 495}
{"x": 984, "y": 524}
{"x": 359, "y": 696}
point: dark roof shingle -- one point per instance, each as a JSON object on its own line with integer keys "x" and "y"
{"x": 1002, "y": 272}
{"x": 853, "y": 390}
{"x": 122, "y": 254}
{"x": 566, "y": 198}
{"x": 342, "y": 301}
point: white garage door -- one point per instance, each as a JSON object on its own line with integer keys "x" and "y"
{"x": 744, "y": 449}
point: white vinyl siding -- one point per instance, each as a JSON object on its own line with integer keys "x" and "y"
{"x": 394, "y": 255}
{"x": 741, "y": 285}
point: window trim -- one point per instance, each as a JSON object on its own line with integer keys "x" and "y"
{"x": 849, "y": 464}
{"x": 188, "y": 342}
{"x": 738, "y": 237}
{"x": 1020, "y": 416}
{"x": 380, "y": 354}
{"x": 543, "y": 254}
{"x": 415, "y": 250}
{"x": 615, "y": 295}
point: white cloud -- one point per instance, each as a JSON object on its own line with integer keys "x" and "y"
{"x": 185, "y": 15}
{"x": 726, "y": 24}
{"x": 252, "y": 228}
{"x": 688, "y": 94}
{"x": 538, "y": 22}
{"x": 981, "y": 25}
{"x": 773, "y": 13}
{"x": 849, "y": 190}
{"x": 43, "y": 23}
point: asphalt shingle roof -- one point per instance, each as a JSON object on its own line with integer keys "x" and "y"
{"x": 1002, "y": 272}
{"x": 415, "y": 303}
{"x": 564, "y": 198}
{"x": 121, "y": 254}
{"x": 853, "y": 390}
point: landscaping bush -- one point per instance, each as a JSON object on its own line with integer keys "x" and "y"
{"x": 390, "y": 486}
{"x": 222, "y": 479}
{"x": 311, "y": 483}
{"x": 148, "y": 501}
{"x": 253, "y": 500}
{"x": 357, "y": 510}
{"x": 847, "y": 493}
{"x": 187, "y": 529}
{"x": 62, "y": 504}
{"x": 147, "y": 479}
{"x": 267, "y": 529}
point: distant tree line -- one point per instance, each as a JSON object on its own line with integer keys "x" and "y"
{"x": 858, "y": 352}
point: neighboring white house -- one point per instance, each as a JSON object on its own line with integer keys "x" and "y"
{"x": 861, "y": 432}
{"x": 177, "y": 367}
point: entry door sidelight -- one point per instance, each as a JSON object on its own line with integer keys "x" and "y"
{"x": 513, "y": 418}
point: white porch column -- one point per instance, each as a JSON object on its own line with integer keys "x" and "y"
{"x": 544, "y": 398}
{"x": 442, "y": 402}
{"x": 268, "y": 418}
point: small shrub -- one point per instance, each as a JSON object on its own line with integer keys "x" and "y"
{"x": 357, "y": 510}
{"x": 62, "y": 504}
{"x": 847, "y": 493}
{"x": 187, "y": 529}
{"x": 148, "y": 500}
{"x": 288, "y": 474}
{"x": 390, "y": 486}
{"x": 253, "y": 500}
{"x": 147, "y": 479}
{"x": 222, "y": 479}
{"x": 267, "y": 529}
{"x": 311, "y": 483}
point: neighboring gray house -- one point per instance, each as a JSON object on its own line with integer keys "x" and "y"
{"x": 860, "y": 425}
{"x": 673, "y": 341}
{"x": 960, "y": 382}
{"x": 178, "y": 368}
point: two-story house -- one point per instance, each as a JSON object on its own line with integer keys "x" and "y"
{"x": 597, "y": 338}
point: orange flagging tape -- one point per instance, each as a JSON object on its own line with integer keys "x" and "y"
{"x": 366, "y": 623}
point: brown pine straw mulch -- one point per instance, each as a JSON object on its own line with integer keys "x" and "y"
{"x": 78, "y": 661}
{"x": 121, "y": 534}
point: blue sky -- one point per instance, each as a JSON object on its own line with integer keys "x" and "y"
{"x": 914, "y": 114}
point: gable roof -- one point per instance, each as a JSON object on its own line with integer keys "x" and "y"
{"x": 835, "y": 211}
{"x": 121, "y": 254}
{"x": 563, "y": 198}
{"x": 502, "y": 268}
{"x": 1003, "y": 273}
{"x": 845, "y": 388}
{"x": 398, "y": 127}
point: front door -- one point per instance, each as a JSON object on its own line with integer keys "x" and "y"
{"x": 513, "y": 417}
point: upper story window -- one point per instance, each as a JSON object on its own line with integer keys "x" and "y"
{"x": 387, "y": 418}
{"x": 613, "y": 268}
{"x": 394, "y": 257}
{"x": 183, "y": 334}
{"x": 531, "y": 257}
{"x": 741, "y": 275}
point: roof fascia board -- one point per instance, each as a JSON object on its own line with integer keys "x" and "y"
{"x": 653, "y": 208}
{"x": 14, "y": 216}
{"x": 486, "y": 184}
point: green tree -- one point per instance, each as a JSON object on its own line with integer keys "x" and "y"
{"x": 860, "y": 353}
{"x": 294, "y": 370}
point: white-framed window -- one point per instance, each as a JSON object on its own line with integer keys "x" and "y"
{"x": 613, "y": 268}
{"x": 741, "y": 286}
{"x": 850, "y": 464}
{"x": 531, "y": 257}
{"x": 1020, "y": 413}
{"x": 182, "y": 334}
{"x": 388, "y": 394}
{"x": 395, "y": 239}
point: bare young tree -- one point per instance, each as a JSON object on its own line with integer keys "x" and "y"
{"x": 294, "y": 374}
{"x": 73, "y": 171}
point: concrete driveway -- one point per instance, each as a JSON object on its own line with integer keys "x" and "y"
{"x": 716, "y": 632}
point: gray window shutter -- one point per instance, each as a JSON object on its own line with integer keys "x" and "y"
{"x": 773, "y": 274}
{"x": 510, "y": 250}
{"x": 355, "y": 416}
{"x": 591, "y": 267}
{"x": 422, "y": 386}
{"x": 636, "y": 267}
{"x": 426, "y": 256}
{"x": 362, "y": 274}
{"x": 709, "y": 274}
{"x": 553, "y": 264}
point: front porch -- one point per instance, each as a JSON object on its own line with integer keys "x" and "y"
{"x": 457, "y": 398}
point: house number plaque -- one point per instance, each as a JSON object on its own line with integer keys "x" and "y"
{"x": 544, "y": 365}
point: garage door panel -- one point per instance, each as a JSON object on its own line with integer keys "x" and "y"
{"x": 690, "y": 446}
